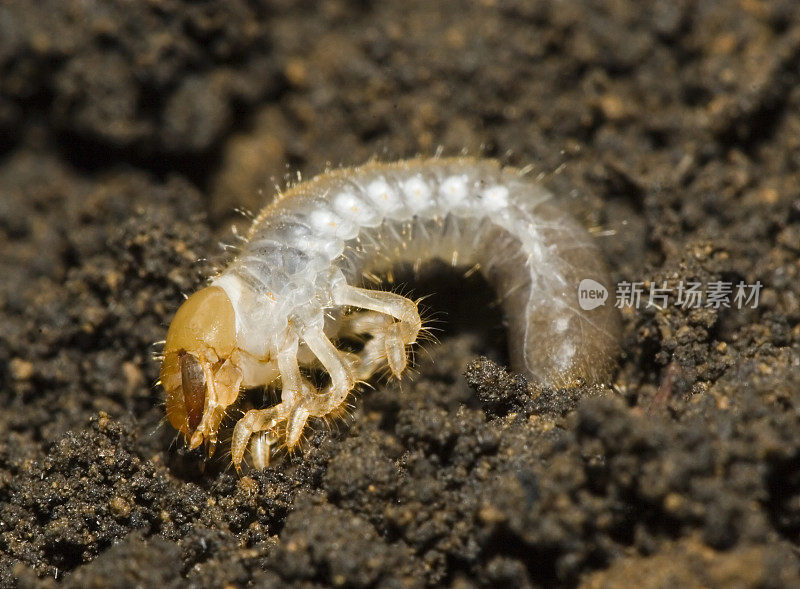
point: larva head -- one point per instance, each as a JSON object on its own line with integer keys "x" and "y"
{"x": 199, "y": 372}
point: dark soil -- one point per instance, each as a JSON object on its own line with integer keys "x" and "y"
{"x": 129, "y": 133}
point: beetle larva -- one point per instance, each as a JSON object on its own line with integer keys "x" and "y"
{"x": 272, "y": 313}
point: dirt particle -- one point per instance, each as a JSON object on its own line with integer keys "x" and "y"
{"x": 120, "y": 507}
{"x": 21, "y": 369}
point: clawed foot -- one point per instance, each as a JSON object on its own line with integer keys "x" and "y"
{"x": 392, "y": 322}
{"x": 262, "y": 422}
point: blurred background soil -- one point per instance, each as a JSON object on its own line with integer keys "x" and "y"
{"x": 131, "y": 131}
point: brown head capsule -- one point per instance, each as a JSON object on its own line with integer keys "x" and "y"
{"x": 200, "y": 373}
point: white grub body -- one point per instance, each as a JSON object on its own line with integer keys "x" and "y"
{"x": 295, "y": 285}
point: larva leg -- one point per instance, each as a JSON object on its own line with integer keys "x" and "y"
{"x": 260, "y": 449}
{"x": 256, "y": 420}
{"x": 394, "y": 336}
{"x": 365, "y": 322}
{"x": 339, "y": 369}
{"x": 294, "y": 389}
{"x": 372, "y": 357}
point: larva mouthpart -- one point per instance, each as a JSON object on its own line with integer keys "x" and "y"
{"x": 273, "y": 312}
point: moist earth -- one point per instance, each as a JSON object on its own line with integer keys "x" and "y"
{"x": 131, "y": 132}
